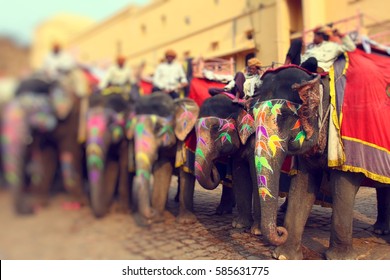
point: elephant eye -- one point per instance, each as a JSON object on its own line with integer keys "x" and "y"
{"x": 214, "y": 129}
{"x": 157, "y": 127}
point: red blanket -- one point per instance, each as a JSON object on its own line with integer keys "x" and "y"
{"x": 199, "y": 92}
{"x": 199, "y": 89}
{"x": 145, "y": 87}
{"x": 365, "y": 112}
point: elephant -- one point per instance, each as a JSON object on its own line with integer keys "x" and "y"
{"x": 291, "y": 113}
{"x": 159, "y": 126}
{"x": 107, "y": 151}
{"x": 40, "y": 128}
{"x": 225, "y": 130}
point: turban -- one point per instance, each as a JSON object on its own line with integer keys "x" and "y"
{"x": 326, "y": 30}
{"x": 254, "y": 62}
{"x": 170, "y": 53}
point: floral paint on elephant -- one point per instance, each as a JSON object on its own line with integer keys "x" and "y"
{"x": 39, "y": 111}
{"x": 117, "y": 127}
{"x": 225, "y": 128}
{"x": 96, "y": 127}
{"x": 186, "y": 115}
{"x": 267, "y": 138}
{"x": 67, "y": 167}
{"x": 13, "y": 139}
{"x": 144, "y": 144}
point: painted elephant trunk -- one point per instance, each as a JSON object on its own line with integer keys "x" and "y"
{"x": 96, "y": 150}
{"x": 13, "y": 149}
{"x": 142, "y": 198}
{"x": 145, "y": 156}
{"x": 274, "y": 234}
{"x": 206, "y": 174}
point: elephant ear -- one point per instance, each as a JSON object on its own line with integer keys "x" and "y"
{"x": 62, "y": 98}
{"x": 309, "y": 92}
{"x": 245, "y": 126}
{"x": 186, "y": 114}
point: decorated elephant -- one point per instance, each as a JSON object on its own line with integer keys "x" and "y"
{"x": 292, "y": 114}
{"x": 107, "y": 151}
{"x": 40, "y": 128}
{"x": 159, "y": 126}
{"x": 225, "y": 130}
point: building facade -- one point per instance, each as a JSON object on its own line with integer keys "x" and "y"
{"x": 60, "y": 29}
{"x": 219, "y": 28}
{"x": 13, "y": 58}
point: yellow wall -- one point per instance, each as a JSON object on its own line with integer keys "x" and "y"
{"x": 60, "y": 28}
{"x": 192, "y": 26}
{"x": 146, "y": 32}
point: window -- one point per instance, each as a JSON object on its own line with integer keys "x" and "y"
{"x": 143, "y": 28}
{"x": 249, "y": 34}
{"x": 214, "y": 45}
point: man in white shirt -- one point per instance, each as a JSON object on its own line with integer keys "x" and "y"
{"x": 324, "y": 52}
{"x": 117, "y": 75}
{"x": 58, "y": 62}
{"x": 169, "y": 76}
{"x": 244, "y": 85}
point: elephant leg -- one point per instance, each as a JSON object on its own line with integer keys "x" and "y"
{"x": 302, "y": 195}
{"x": 162, "y": 175}
{"x": 227, "y": 202}
{"x": 124, "y": 192}
{"x": 111, "y": 174}
{"x": 71, "y": 160}
{"x": 42, "y": 174}
{"x": 344, "y": 187}
{"x": 382, "y": 224}
{"x": 186, "y": 198}
{"x": 284, "y": 185}
{"x": 177, "y": 196}
{"x": 242, "y": 187}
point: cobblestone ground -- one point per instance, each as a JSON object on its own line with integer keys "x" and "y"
{"x": 56, "y": 233}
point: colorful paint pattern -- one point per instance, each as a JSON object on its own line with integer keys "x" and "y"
{"x": 268, "y": 141}
{"x": 225, "y": 129}
{"x": 96, "y": 126}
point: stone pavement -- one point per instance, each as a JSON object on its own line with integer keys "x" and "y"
{"x": 56, "y": 233}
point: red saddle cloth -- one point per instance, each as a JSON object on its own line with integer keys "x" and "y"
{"x": 363, "y": 113}
{"x": 145, "y": 87}
{"x": 199, "y": 92}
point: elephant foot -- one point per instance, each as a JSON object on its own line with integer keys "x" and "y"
{"x": 24, "y": 206}
{"x": 25, "y": 209}
{"x": 255, "y": 229}
{"x": 381, "y": 228}
{"x": 241, "y": 222}
{"x": 152, "y": 216}
{"x": 341, "y": 253}
{"x": 225, "y": 208}
{"x": 142, "y": 221}
{"x": 287, "y": 253}
{"x": 186, "y": 218}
